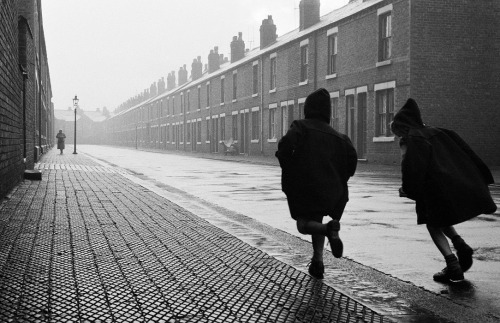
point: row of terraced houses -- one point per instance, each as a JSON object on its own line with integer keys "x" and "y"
{"x": 371, "y": 55}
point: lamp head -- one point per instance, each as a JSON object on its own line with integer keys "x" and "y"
{"x": 75, "y": 101}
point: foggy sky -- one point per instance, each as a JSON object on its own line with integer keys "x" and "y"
{"x": 106, "y": 51}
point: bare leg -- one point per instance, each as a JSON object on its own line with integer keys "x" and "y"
{"x": 318, "y": 242}
{"x": 311, "y": 227}
{"x": 450, "y": 231}
{"x": 440, "y": 240}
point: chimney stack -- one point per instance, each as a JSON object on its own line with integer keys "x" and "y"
{"x": 183, "y": 75}
{"x": 213, "y": 60}
{"x": 267, "y": 32}
{"x": 196, "y": 69}
{"x": 237, "y": 48}
{"x": 171, "y": 81}
{"x": 309, "y": 13}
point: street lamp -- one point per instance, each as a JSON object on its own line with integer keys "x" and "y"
{"x": 75, "y": 105}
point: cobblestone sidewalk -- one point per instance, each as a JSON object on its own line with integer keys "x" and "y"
{"x": 85, "y": 244}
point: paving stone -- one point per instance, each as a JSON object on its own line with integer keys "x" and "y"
{"x": 85, "y": 244}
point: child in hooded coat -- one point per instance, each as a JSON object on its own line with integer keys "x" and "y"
{"x": 316, "y": 163}
{"x": 448, "y": 182}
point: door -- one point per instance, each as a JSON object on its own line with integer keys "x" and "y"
{"x": 362, "y": 126}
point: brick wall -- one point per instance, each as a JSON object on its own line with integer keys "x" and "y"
{"x": 456, "y": 69}
{"x": 11, "y": 148}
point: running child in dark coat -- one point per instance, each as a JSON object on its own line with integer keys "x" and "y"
{"x": 316, "y": 163}
{"x": 448, "y": 182}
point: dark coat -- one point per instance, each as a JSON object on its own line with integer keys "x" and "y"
{"x": 448, "y": 181}
{"x": 60, "y": 140}
{"x": 316, "y": 163}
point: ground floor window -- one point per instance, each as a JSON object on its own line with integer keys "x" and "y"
{"x": 272, "y": 123}
{"x": 255, "y": 125}
{"x": 222, "y": 128}
{"x": 385, "y": 112}
{"x": 335, "y": 113}
{"x": 235, "y": 127}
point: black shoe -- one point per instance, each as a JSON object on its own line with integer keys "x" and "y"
{"x": 464, "y": 254}
{"x": 451, "y": 273}
{"x": 317, "y": 269}
{"x": 333, "y": 228}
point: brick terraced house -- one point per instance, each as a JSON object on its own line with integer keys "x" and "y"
{"x": 371, "y": 55}
{"x": 26, "y": 109}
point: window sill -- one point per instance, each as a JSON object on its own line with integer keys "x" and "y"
{"x": 222, "y": 104}
{"x": 272, "y": 91}
{"x": 331, "y": 76}
{"x": 383, "y": 63}
{"x": 207, "y": 142}
{"x": 272, "y": 140}
{"x": 255, "y": 95}
{"x": 254, "y": 141}
{"x": 303, "y": 83}
{"x": 383, "y": 139}
{"x": 198, "y": 143}
{"x": 234, "y": 100}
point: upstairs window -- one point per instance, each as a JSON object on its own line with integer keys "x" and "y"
{"x": 385, "y": 34}
{"x": 273, "y": 74}
{"x": 208, "y": 95}
{"x": 255, "y": 69}
{"x": 222, "y": 83}
{"x": 235, "y": 85}
{"x": 304, "y": 63}
{"x": 332, "y": 54}
{"x": 199, "y": 97}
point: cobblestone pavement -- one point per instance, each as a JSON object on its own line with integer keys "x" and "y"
{"x": 86, "y": 244}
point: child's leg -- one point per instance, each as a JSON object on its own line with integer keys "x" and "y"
{"x": 318, "y": 243}
{"x": 452, "y": 272}
{"x": 440, "y": 240}
{"x": 464, "y": 251}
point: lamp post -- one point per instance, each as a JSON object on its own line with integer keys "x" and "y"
{"x": 75, "y": 105}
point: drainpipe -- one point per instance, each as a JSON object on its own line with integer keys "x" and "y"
{"x": 25, "y": 76}
{"x": 261, "y": 63}
{"x": 315, "y": 60}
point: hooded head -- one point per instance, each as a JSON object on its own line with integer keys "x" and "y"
{"x": 408, "y": 117}
{"x": 318, "y": 106}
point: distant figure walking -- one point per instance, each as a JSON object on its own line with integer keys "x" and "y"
{"x": 60, "y": 140}
{"x": 316, "y": 163}
{"x": 448, "y": 181}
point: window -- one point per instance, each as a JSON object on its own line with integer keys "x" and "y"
{"x": 273, "y": 74}
{"x": 304, "y": 63}
{"x": 188, "y": 100}
{"x": 285, "y": 117}
{"x": 183, "y": 103}
{"x": 208, "y": 130}
{"x": 222, "y": 90}
{"x": 255, "y": 125}
{"x": 385, "y": 112}
{"x": 301, "y": 107}
{"x": 208, "y": 96}
{"x": 385, "y": 42}
{"x": 199, "y": 97}
{"x": 198, "y": 133}
{"x": 332, "y": 54}
{"x": 335, "y": 113}
{"x": 235, "y": 85}
{"x": 173, "y": 105}
{"x": 235, "y": 127}
{"x": 255, "y": 79}
{"x": 272, "y": 122}
{"x": 222, "y": 127}
{"x": 188, "y": 132}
